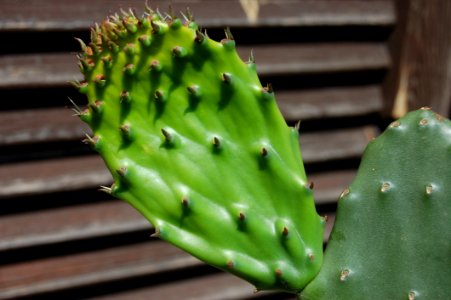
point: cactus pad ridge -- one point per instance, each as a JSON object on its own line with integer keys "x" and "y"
{"x": 199, "y": 147}
{"x": 392, "y": 237}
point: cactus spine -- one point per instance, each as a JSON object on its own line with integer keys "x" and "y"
{"x": 199, "y": 147}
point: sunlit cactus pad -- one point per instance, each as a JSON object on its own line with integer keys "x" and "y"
{"x": 199, "y": 147}
{"x": 392, "y": 236}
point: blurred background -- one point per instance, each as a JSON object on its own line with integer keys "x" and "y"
{"x": 346, "y": 68}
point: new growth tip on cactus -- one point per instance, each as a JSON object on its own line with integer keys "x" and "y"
{"x": 199, "y": 147}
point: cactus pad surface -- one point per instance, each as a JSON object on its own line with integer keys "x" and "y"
{"x": 392, "y": 236}
{"x": 199, "y": 147}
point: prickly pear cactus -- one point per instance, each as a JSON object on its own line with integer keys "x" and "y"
{"x": 199, "y": 147}
{"x": 392, "y": 236}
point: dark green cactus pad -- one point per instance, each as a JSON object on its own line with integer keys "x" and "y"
{"x": 199, "y": 147}
{"x": 392, "y": 236}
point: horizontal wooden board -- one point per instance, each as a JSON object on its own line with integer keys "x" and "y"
{"x": 57, "y": 273}
{"x": 71, "y": 223}
{"x": 330, "y": 102}
{"x": 118, "y": 263}
{"x": 336, "y": 144}
{"x": 47, "y": 70}
{"x": 329, "y": 185}
{"x": 59, "y": 124}
{"x": 89, "y": 171}
{"x": 40, "y": 125}
{"x": 55, "y": 175}
{"x": 218, "y": 286}
{"x": 80, "y": 15}
{"x": 100, "y": 266}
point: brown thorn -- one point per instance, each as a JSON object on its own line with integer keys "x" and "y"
{"x": 311, "y": 185}
{"x": 285, "y": 231}
{"x": 226, "y": 78}
{"x": 121, "y": 171}
{"x": 216, "y": 142}
{"x": 185, "y": 201}
{"x": 166, "y": 134}
{"x": 230, "y": 264}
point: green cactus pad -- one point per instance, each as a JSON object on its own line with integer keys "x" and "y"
{"x": 199, "y": 147}
{"x": 392, "y": 236}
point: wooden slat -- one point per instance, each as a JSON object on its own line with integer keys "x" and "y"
{"x": 40, "y": 125}
{"x": 317, "y": 58}
{"x": 44, "y": 70}
{"x": 68, "y": 224}
{"x": 54, "y": 274}
{"x": 89, "y": 172}
{"x": 80, "y": 15}
{"x": 37, "y": 70}
{"x": 330, "y": 102}
{"x": 336, "y": 144}
{"x": 79, "y": 270}
{"x": 59, "y": 124}
{"x": 54, "y": 175}
{"x": 329, "y": 185}
{"x": 114, "y": 217}
{"x": 212, "y": 287}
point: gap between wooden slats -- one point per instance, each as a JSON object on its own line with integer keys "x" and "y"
{"x": 80, "y": 15}
{"x": 47, "y": 70}
{"x": 89, "y": 171}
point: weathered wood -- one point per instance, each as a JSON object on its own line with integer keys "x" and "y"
{"x": 100, "y": 266}
{"x": 68, "y": 224}
{"x": 46, "y": 70}
{"x": 212, "y": 287}
{"x": 89, "y": 172}
{"x": 284, "y": 59}
{"x": 329, "y": 185}
{"x": 80, "y": 15}
{"x": 91, "y": 220}
{"x": 422, "y": 49}
{"x": 336, "y": 144}
{"x": 54, "y": 175}
{"x": 329, "y": 102}
{"x": 40, "y": 125}
{"x": 57, "y": 273}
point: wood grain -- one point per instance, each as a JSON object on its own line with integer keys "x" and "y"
{"x": 47, "y": 70}
{"x": 39, "y": 15}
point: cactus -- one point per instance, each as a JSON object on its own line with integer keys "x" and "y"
{"x": 199, "y": 147}
{"x": 392, "y": 237}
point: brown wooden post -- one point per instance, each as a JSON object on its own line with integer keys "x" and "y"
{"x": 421, "y": 52}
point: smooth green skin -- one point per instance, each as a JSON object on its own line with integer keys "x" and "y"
{"x": 395, "y": 239}
{"x": 243, "y": 205}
